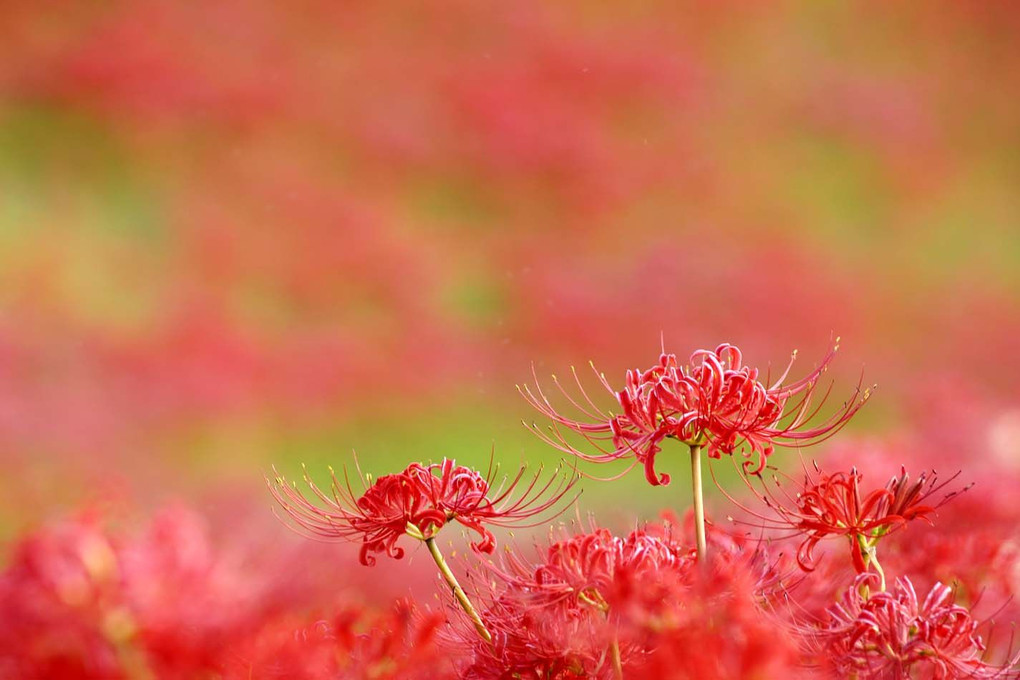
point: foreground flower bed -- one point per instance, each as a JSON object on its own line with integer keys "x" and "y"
{"x": 869, "y": 565}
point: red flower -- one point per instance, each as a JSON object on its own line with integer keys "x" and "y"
{"x": 562, "y": 617}
{"x": 598, "y": 569}
{"x": 716, "y": 626}
{"x": 418, "y": 501}
{"x": 715, "y": 402}
{"x": 893, "y": 635}
{"x": 595, "y": 598}
{"x": 833, "y": 505}
{"x": 354, "y": 642}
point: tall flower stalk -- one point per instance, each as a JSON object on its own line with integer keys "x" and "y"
{"x": 699, "y": 501}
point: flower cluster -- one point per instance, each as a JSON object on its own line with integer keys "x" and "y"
{"x": 575, "y": 608}
{"x": 597, "y": 605}
{"x": 715, "y": 401}
{"x": 892, "y": 634}
{"x": 81, "y": 601}
{"x": 676, "y": 599}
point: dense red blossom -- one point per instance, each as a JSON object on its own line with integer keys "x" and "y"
{"x": 80, "y": 601}
{"x": 420, "y": 501}
{"x": 716, "y": 401}
{"x": 593, "y": 596}
{"x": 599, "y": 569}
{"x": 716, "y": 626}
{"x": 561, "y": 617}
{"x": 891, "y": 634}
{"x": 537, "y": 643}
{"x": 59, "y": 595}
{"x": 354, "y": 642}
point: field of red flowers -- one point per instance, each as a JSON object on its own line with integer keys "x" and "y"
{"x": 241, "y": 237}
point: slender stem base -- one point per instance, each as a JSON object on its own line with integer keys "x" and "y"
{"x": 699, "y": 502}
{"x": 458, "y": 592}
{"x": 870, "y": 556}
{"x": 614, "y": 650}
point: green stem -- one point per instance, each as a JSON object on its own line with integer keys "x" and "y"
{"x": 458, "y": 592}
{"x": 878, "y": 568}
{"x": 614, "y": 650}
{"x": 870, "y": 555}
{"x": 699, "y": 502}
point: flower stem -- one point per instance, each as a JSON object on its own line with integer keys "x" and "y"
{"x": 458, "y": 592}
{"x": 870, "y": 555}
{"x": 699, "y": 502}
{"x": 614, "y": 650}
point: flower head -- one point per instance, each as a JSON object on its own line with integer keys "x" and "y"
{"x": 829, "y": 505}
{"x": 593, "y": 596}
{"x": 598, "y": 569}
{"x": 563, "y": 616}
{"x": 355, "y": 641}
{"x": 892, "y": 634}
{"x": 418, "y": 501}
{"x": 715, "y": 401}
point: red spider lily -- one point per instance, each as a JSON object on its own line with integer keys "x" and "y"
{"x": 599, "y": 569}
{"x": 62, "y": 585}
{"x": 539, "y": 643}
{"x": 418, "y": 501}
{"x": 715, "y": 402}
{"x": 891, "y": 634}
{"x": 830, "y": 505}
{"x": 561, "y": 618}
{"x": 715, "y": 625}
{"x": 594, "y": 592}
{"x": 354, "y": 642}
{"x": 78, "y": 600}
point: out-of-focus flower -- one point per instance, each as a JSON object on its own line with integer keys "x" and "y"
{"x": 561, "y": 617}
{"x": 597, "y": 605}
{"x": 418, "y": 502}
{"x": 538, "y": 642}
{"x": 716, "y": 402}
{"x": 891, "y": 634}
{"x": 62, "y": 606}
{"x": 598, "y": 569}
{"x": 355, "y": 642}
{"x": 715, "y": 626}
{"x": 80, "y": 601}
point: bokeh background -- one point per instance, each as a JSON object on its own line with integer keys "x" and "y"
{"x": 238, "y": 234}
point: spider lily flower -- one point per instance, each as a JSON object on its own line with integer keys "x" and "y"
{"x": 716, "y": 626}
{"x": 893, "y": 634}
{"x": 593, "y": 596}
{"x": 829, "y": 505}
{"x": 537, "y": 642}
{"x": 715, "y": 401}
{"x": 418, "y": 502}
{"x": 563, "y": 616}
{"x": 598, "y": 569}
{"x": 355, "y": 641}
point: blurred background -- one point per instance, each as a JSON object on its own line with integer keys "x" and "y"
{"x": 239, "y": 234}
